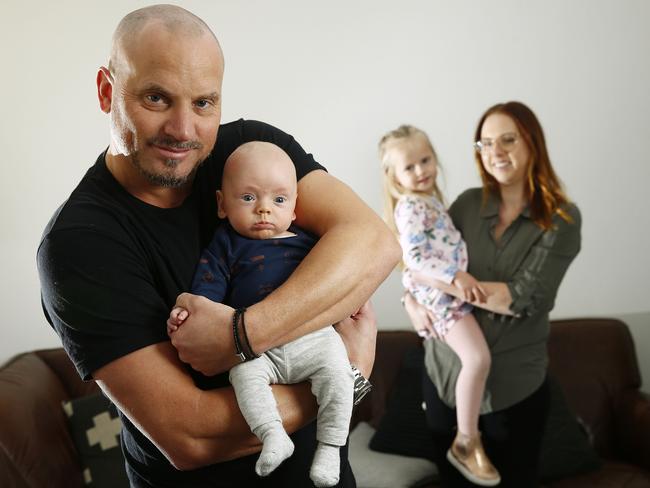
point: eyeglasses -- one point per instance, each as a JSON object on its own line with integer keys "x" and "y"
{"x": 506, "y": 141}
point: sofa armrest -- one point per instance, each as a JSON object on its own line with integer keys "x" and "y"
{"x": 633, "y": 428}
{"x": 34, "y": 438}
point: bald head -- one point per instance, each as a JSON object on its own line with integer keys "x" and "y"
{"x": 172, "y": 19}
{"x": 258, "y": 157}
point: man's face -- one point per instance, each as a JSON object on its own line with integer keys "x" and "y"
{"x": 166, "y": 104}
{"x": 259, "y": 195}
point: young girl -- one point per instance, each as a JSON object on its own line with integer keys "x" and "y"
{"x": 433, "y": 250}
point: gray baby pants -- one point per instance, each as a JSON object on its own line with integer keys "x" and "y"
{"x": 319, "y": 357}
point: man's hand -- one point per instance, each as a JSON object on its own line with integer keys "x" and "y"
{"x": 359, "y": 334}
{"x": 205, "y": 340}
{"x": 470, "y": 287}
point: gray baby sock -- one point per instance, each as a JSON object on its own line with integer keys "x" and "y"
{"x": 277, "y": 446}
{"x": 326, "y": 465}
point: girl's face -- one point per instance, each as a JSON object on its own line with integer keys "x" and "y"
{"x": 415, "y": 164}
{"x": 505, "y": 154}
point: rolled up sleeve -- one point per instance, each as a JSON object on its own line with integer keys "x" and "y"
{"x": 535, "y": 284}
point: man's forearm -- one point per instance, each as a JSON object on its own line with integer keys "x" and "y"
{"x": 297, "y": 407}
{"x": 191, "y": 427}
{"x": 339, "y": 293}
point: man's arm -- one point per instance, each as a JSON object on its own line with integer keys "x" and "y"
{"x": 195, "y": 428}
{"x": 355, "y": 253}
{"x": 191, "y": 427}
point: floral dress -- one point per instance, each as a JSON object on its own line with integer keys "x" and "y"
{"x": 432, "y": 245}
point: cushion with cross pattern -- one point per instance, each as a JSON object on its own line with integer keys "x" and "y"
{"x": 95, "y": 430}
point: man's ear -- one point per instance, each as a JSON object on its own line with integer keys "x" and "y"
{"x": 220, "y": 210}
{"x": 105, "y": 89}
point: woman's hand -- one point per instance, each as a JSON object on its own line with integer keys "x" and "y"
{"x": 422, "y": 318}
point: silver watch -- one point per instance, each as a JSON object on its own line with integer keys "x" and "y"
{"x": 361, "y": 385}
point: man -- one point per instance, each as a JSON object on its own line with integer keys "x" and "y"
{"x": 121, "y": 250}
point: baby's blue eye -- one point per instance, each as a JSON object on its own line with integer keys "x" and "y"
{"x": 248, "y": 198}
{"x": 280, "y": 199}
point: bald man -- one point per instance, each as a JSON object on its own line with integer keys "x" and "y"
{"x": 122, "y": 249}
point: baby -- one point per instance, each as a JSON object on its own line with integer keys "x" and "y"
{"x": 249, "y": 257}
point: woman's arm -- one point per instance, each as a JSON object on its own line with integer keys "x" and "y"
{"x": 535, "y": 282}
{"x": 497, "y": 299}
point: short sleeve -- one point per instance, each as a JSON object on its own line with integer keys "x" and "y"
{"x": 99, "y": 296}
{"x": 304, "y": 162}
{"x": 535, "y": 284}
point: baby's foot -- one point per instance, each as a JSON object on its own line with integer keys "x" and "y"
{"x": 325, "y": 466}
{"x": 277, "y": 447}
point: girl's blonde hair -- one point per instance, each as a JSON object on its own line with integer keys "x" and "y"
{"x": 392, "y": 189}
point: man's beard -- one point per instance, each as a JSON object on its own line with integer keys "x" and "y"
{"x": 168, "y": 180}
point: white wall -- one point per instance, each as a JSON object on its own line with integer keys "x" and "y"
{"x": 337, "y": 75}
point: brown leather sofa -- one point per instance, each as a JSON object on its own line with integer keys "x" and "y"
{"x": 595, "y": 363}
{"x": 594, "y": 360}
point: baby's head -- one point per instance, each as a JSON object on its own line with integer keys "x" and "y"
{"x": 258, "y": 191}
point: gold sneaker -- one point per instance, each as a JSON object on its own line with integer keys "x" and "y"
{"x": 467, "y": 456}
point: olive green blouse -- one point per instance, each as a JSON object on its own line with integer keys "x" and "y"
{"x": 532, "y": 263}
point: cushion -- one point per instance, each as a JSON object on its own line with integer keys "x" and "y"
{"x": 95, "y": 430}
{"x": 379, "y": 470}
{"x": 402, "y": 429}
{"x": 566, "y": 450}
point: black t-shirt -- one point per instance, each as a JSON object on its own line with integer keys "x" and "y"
{"x": 111, "y": 267}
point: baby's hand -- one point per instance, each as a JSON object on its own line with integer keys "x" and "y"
{"x": 176, "y": 319}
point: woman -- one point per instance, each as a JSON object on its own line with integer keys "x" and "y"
{"x": 522, "y": 233}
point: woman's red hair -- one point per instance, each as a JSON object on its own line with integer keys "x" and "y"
{"x": 543, "y": 189}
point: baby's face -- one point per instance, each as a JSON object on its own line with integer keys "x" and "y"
{"x": 259, "y": 193}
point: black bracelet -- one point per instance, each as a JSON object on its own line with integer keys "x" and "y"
{"x": 235, "y": 333}
{"x": 251, "y": 353}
